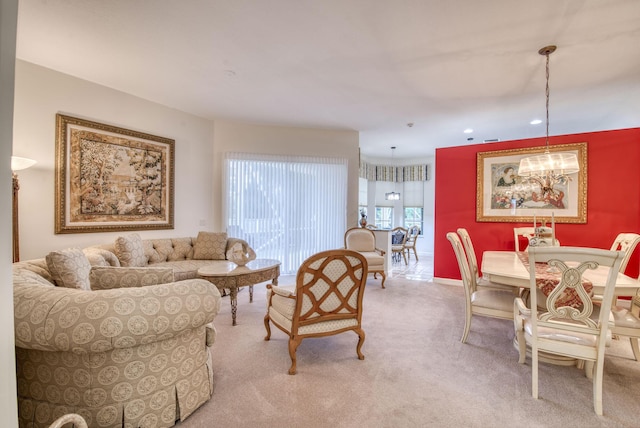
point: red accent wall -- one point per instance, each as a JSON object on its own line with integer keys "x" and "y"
{"x": 613, "y": 197}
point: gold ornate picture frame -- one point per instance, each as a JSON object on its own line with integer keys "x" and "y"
{"x": 502, "y": 198}
{"x": 111, "y": 179}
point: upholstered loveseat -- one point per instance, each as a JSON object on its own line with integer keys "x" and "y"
{"x": 118, "y": 342}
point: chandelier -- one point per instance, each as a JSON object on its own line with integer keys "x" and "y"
{"x": 393, "y": 196}
{"x": 548, "y": 169}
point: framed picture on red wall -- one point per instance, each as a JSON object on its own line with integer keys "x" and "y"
{"x": 505, "y": 196}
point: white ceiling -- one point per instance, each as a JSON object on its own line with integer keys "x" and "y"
{"x": 366, "y": 65}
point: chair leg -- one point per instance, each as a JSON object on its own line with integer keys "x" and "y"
{"x": 268, "y": 327}
{"x": 405, "y": 258}
{"x": 635, "y": 348}
{"x": 597, "y": 386}
{"x": 415, "y": 253}
{"x": 383, "y": 278}
{"x": 534, "y": 371}
{"x": 293, "y": 345}
{"x": 360, "y": 333}
{"x": 467, "y": 327}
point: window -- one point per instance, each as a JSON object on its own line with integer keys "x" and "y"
{"x": 384, "y": 217}
{"x": 279, "y": 205}
{"x": 413, "y": 217}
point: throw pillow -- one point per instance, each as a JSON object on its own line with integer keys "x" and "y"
{"x": 210, "y": 246}
{"x": 69, "y": 268}
{"x": 108, "y": 277}
{"x": 130, "y": 251}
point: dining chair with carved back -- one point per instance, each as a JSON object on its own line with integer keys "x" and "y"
{"x": 564, "y": 324}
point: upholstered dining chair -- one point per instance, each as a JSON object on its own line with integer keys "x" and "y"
{"x": 626, "y": 242}
{"x": 327, "y": 300}
{"x": 473, "y": 264}
{"x": 522, "y": 232}
{"x": 364, "y": 241}
{"x": 412, "y": 240}
{"x": 566, "y": 329}
{"x": 398, "y": 239}
{"x": 486, "y": 302}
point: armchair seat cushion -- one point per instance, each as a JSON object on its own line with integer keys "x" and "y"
{"x": 374, "y": 259}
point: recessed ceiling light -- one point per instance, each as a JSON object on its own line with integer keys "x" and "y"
{"x": 536, "y": 122}
{"x": 468, "y": 131}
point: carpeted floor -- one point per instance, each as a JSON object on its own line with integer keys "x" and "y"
{"x": 416, "y": 373}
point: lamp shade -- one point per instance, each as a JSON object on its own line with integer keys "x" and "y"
{"x": 18, "y": 163}
{"x": 561, "y": 162}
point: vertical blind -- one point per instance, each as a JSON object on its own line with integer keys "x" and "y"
{"x": 286, "y": 207}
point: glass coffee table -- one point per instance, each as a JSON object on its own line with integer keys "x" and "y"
{"x": 228, "y": 275}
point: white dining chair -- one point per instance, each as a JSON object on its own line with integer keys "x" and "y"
{"x": 626, "y": 242}
{"x": 522, "y": 232}
{"x": 469, "y": 250}
{"x": 567, "y": 330}
{"x": 485, "y": 302}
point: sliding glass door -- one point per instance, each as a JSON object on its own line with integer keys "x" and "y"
{"x": 287, "y": 208}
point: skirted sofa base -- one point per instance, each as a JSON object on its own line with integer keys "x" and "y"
{"x": 123, "y": 353}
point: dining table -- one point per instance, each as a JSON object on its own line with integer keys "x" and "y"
{"x": 507, "y": 267}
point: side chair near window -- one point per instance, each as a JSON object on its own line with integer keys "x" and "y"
{"x": 473, "y": 264}
{"x": 398, "y": 239}
{"x": 327, "y": 300}
{"x": 412, "y": 239}
{"x": 364, "y": 242}
{"x": 486, "y": 302}
{"x": 566, "y": 327}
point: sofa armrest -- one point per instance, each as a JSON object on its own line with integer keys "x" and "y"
{"x": 86, "y": 321}
{"x": 381, "y": 251}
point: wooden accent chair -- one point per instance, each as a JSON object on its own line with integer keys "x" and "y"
{"x": 398, "y": 239}
{"x": 473, "y": 264}
{"x": 486, "y": 302}
{"x": 412, "y": 239}
{"x": 327, "y": 300}
{"x": 565, "y": 330}
{"x": 364, "y": 242}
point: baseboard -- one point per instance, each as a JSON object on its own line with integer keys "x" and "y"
{"x": 448, "y": 281}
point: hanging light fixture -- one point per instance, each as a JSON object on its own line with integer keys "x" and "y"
{"x": 548, "y": 169}
{"x": 393, "y": 196}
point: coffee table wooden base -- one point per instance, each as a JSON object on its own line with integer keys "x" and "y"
{"x": 230, "y": 276}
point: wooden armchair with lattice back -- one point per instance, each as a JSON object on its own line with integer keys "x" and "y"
{"x": 327, "y": 300}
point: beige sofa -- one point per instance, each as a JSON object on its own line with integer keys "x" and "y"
{"x": 131, "y": 348}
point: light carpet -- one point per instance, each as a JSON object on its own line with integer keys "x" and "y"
{"x": 416, "y": 373}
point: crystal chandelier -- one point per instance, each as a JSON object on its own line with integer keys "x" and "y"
{"x": 548, "y": 169}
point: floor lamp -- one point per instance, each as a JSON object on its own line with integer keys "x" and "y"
{"x": 17, "y": 164}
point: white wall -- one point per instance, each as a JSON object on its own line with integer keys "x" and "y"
{"x": 8, "y": 25}
{"x": 41, "y": 93}
{"x": 242, "y": 137}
